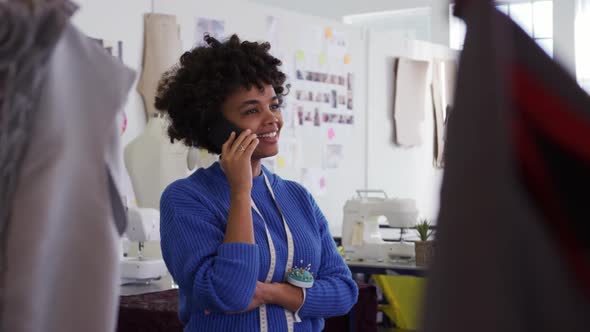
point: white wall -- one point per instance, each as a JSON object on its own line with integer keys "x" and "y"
{"x": 119, "y": 20}
{"x": 401, "y": 172}
{"x": 116, "y": 20}
{"x": 414, "y": 23}
{"x": 563, "y": 18}
{"x": 563, "y": 33}
{"x": 336, "y": 9}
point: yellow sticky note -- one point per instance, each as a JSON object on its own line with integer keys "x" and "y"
{"x": 323, "y": 59}
{"x": 329, "y": 33}
{"x": 347, "y": 59}
{"x": 203, "y": 154}
{"x": 280, "y": 162}
{"x": 300, "y": 55}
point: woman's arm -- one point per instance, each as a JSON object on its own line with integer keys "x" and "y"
{"x": 237, "y": 167}
{"x": 216, "y": 263}
{"x": 239, "y": 227}
{"x": 216, "y": 276}
{"x": 334, "y": 292}
{"x": 284, "y": 294}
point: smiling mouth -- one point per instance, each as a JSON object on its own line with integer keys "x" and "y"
{"x": 268, "y": 135}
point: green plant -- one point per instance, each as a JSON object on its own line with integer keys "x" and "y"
{"x": 424, "y": 229}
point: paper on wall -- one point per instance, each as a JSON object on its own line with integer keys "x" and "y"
{"x": 272, "y": 27}
{"x": 215, "y": 28}
{"x": 409, "y": 100}
{"x": 443, "y": 89}
{"x": 310, "y": 39}
{"x": 333, "y": 155}
{"x": 438, "y": 108}
{"x": 281, "y": 162}
{"x": 289, "y": 153}
{"x": 314, "y": 179}
{"x": 337, "y": 44}
{"x": 312, "y": 139}
{"x": 331, "y": 134}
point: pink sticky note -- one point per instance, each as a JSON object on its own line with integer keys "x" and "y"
{"x": 322, "y": 182}
{"x": 331, "y": 134}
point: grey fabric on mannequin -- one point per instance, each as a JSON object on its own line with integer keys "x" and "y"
{"x": 62, "y": 248}
{"x": 29, "y": 35}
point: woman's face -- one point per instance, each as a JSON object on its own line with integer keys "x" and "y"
{"x": 259, "y": 111}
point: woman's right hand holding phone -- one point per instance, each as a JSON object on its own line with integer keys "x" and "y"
{"x": 236, "y": 155}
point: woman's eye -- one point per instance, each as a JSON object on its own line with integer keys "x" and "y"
{"x": 251, "y": 111}
{"x": 275, "y": 107}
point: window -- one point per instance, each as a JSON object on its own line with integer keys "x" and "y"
{"x": 534, "y": 17}
{"x": 582, "y": 30}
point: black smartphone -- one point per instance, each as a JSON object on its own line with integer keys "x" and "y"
{"x": 220, "y": 130}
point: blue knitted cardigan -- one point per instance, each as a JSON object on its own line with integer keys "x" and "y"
{"x": 221, "y": 277}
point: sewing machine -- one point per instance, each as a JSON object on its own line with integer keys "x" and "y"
{"x": 361, "y": 236}
{"x": 143, "y": 225}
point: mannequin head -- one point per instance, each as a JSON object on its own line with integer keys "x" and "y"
{"x": 238, "y": 78}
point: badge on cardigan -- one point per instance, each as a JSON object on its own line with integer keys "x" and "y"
{"x": 300, "y": 276}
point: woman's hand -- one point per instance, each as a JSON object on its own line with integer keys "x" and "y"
{"x": 279, "y": 293}
{"x": 283, "y": 294}
{"x": 236, "y": 155}
{"x": 261, "y": 296}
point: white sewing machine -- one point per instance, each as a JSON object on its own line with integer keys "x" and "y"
{"x": 143, "y": 225}
{"x": 361, "y": 236}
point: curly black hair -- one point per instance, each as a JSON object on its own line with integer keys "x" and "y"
{"x": 193, "y": 91}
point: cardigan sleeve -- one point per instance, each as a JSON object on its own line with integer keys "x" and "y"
{"x": 334, "y": 292}
{"x": 217, "y": 276}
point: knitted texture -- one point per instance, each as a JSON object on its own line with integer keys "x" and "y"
{"x": 221, "y": 278}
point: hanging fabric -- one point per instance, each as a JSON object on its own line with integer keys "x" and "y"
{"x": 60, "y": 245}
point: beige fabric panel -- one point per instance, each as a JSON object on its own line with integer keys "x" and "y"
{"x": 410, "y": 101}
{"x": 439, "y": 105}
{"x": 162, "y": 50}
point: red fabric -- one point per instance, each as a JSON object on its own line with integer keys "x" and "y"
{"x": 550, "y": 114}
{"x": 537, "y": 108}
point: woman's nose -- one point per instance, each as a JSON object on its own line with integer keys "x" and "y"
{"x": 270, "y": 116}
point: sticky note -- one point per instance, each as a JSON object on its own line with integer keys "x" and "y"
{"x": 280, "y": 162}
{"x": 323, "y": 59}
{"x": 300, "y": 56}
{"x": 203, "y": 154}
{"x": 331, "y": 134}
{"x": 347, "y": 59}
{"x": 329, "y": 33}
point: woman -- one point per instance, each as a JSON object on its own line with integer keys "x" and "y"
{"x": 231, "y": 232}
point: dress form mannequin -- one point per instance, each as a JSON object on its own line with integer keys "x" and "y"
{"x": 152, "y": 161}
{"x": 162, "y": 49}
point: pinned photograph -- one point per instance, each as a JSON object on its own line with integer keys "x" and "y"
{"x": 215, "y": 28}
{"x": 333, "y": 155}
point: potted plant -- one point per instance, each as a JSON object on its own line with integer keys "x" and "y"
{"x": 424, "y": 248}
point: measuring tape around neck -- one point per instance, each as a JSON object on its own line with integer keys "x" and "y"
{"x": 273, "y": 258}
